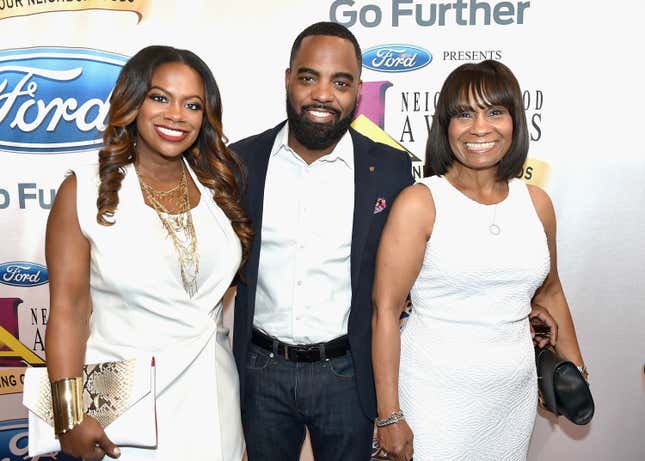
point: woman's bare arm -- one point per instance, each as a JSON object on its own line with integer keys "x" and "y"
{"x": 68, "y": 261}
{"x": 398, "y": 262}
{"x": 550, "y": 294}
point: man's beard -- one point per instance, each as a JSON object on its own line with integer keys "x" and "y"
{"x": 314, "y": 135}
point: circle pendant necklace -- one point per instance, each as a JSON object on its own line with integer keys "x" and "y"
{"x": 494, "y": 228}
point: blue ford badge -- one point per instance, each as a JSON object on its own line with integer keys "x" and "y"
{"x": 396, "y": 58}
{"x": 13, "y": 443}
{"x": 55, "y": 99}
{"x": 23, "y": 274}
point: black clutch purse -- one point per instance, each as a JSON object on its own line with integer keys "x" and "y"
{"x": 562, "y": 388}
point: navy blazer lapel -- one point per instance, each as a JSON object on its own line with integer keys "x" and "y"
{"x": 257, "y": 179}
{"x": 364, "y": 199}
{"x": 257, "y": 164}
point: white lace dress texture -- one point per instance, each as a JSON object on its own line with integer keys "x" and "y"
{"x": 140, "y": 307}
{"x": 467, "y": 380}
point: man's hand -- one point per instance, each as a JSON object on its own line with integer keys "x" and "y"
{"x": 544, "y": 329}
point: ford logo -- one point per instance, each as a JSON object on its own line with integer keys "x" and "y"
{"x": 23, "y": 274}
{"x": 396, "y": 58}
{"x": 13, "y": 442}
{"x": 55, "y": 99}
{"x": 13, "y": 439}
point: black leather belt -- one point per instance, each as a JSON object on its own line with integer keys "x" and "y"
{"x": 302, "y": 352}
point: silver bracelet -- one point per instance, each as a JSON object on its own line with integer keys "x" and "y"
{"x": 395, "y": 417}
{"x": 584, "y": 372}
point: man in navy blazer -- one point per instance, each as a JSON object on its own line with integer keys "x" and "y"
{"x": 318, "y": 195}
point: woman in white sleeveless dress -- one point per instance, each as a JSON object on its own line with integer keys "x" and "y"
{"x": 140, "y": 250}
{"x": 475, "y": 248}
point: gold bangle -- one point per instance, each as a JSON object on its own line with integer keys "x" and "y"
{"x": 67, "y": 404}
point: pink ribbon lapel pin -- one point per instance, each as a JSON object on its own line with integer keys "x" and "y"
{"x": 380, "y": 205}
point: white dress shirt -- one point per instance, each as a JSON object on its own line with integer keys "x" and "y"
{"x": 304, "y": 281}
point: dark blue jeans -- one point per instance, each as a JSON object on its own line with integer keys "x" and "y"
{"x": 283, "y": 397}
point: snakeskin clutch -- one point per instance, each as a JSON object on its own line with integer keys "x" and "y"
{"x": 119, "y": 395}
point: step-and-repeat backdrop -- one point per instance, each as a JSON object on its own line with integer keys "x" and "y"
{"x": 577, "y": 64}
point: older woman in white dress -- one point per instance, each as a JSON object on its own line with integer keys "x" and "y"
{"x": 475, "y": 248}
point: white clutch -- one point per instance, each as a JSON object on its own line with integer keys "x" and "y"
{"x": 119, "y": 395}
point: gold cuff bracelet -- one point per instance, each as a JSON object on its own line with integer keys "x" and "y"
{"x": 67, "y": 404}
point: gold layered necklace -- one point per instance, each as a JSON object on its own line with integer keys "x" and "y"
{"x": 179, "y": 226}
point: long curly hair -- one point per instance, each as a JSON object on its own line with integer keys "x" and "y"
{"x": 216, "y": 166}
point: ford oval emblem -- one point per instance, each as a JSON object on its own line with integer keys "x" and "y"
{"x": 13, "y": 439}
{"x": 14, "y": 434}
{"x": 23, "y": 274}
{"x": 55, "y": 99}
{"x": 396, "y": 58}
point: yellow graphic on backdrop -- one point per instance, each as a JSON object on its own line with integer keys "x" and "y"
{"x": 15, "y": 8}
{"x": 11, "y": 379}
{"x": 368, "y": 128}
{"x": 17, "y": 350}
{"x": 536, "y": 172}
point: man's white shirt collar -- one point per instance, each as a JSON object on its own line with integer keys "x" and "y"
{"x": 343, "y": 151}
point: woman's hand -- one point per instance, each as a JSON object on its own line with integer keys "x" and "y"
{"x": 396, "y": 440}
{"x": 88, "y": 442}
